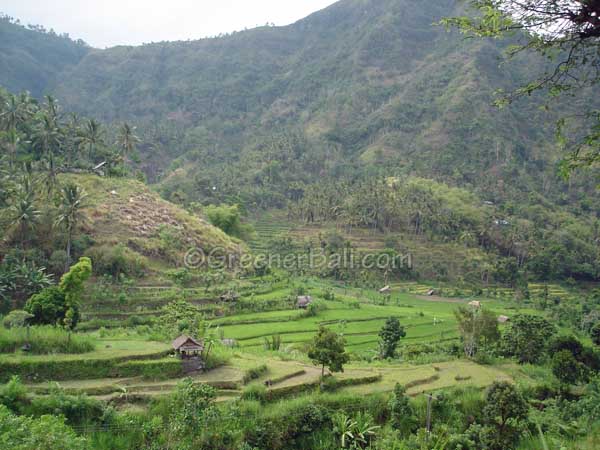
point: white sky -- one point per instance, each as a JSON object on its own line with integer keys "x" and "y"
{"x": 105, "y": 23}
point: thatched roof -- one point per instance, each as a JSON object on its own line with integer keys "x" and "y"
{"x": 229, "y": 296}
{"x": 187, "y": 343}
{"x": 304, "y": 300}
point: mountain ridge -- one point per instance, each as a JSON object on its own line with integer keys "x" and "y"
{"x": 362, "y": 84}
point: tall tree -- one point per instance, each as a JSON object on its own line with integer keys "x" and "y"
{"x": 504, "y": 413}
{"x": 91, "y": 137}
{"x": 327, "y": 350}
{"x": 23, "y": 212}
{"x": 566, "y": 33}
{"x": 71, "y": 284}
{"x": 127, "y": 140}
{"x": 70, "y": 213}
{"x": 47, "y": 140}
{"x": 389, "y": 336}
{"x": 477, "y": 326}
{"x": 16, "y": 111}
{"x": 527, "y": 337}
{"x": 11, "y": 142}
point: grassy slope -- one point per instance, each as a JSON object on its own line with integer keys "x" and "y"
{"x": 124, "y": 211}
{"x": 426, "y": 255}
{"x": 105, "y": 349}
{"x": 419, "y": 378}
{"x": 425, "y": 320}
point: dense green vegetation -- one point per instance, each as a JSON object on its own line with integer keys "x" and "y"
{"x": 365, "y": 133}
{"x": 32, "y": 57}
{"x": 363, "y": 129}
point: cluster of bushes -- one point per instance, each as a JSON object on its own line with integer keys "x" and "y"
{"x": 254, "y": 373}
{"x": 461, "y": 419}
{"x": 117, "y": 261}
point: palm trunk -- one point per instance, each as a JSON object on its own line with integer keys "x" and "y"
{"x": 23, "y": 231}
{"x": 69, "y": 238}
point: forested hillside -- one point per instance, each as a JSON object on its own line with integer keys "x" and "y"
{"x": 31, "y": 57}
{"x": 318, "y": 117}
{"x": 359, "y": 86}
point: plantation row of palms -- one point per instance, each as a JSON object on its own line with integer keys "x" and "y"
{"x": 40, "y": 135}
{"x": 40, "y": 212}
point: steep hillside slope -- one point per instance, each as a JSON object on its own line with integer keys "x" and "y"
{"x": 32, "y": 58}
{"x": 361, "y": 84}
{"x": 126, "y": 212}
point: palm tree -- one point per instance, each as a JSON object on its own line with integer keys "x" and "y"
{"x": 91, "y": 136}
{"x": 127, "y": 140}
{"x": 52, "y": 107}
{"x": 72, "y": 138}
{"x": 12, "y": 144}
{"x": 23, "y": 212}
{"x": 48, "y": 141}
{"x": 15, "y": 111}
{"x": 70, "y": 213}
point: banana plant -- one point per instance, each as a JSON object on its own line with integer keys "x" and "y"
{"x": 344, "y": 426}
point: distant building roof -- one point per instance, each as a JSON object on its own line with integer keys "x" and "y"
{"x": 227, "y": 342}
{"x": 503, "y": 319}
{"x": 304, "y": 300}
{"x": 187, "y": 343}
{"x": 229, "y": 296}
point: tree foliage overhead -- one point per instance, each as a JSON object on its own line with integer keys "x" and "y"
{"x": 567, "y": 34}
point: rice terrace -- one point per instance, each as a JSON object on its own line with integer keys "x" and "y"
{"x": 365, "y": 225}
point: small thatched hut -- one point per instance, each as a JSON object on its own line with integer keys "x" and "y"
{"x": 303, "y": 301}
{"x": 188, "y": 347}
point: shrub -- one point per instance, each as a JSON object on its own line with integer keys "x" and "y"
{"x": 527, "y": 338}
{"x": 329, "y": 295}
{"x": 13, "y": 394}
{"x": 256, "y": 392}
{"x": 48, "y": 307}
{"x": 273, "y": 344}
{"x": 57, "y": 261}
{"x": 16, "y": 318}
{"x": 218, "y": 356}
{"x": 566, "y": 368}
{"x": 228, "y": 219}
{"x": 76, "y": 409}
{"x": 117, "y": 261}
{"x": 47, "y": 432}
{"x": 254, "y": 373}
{"x": 402, "y": 415}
